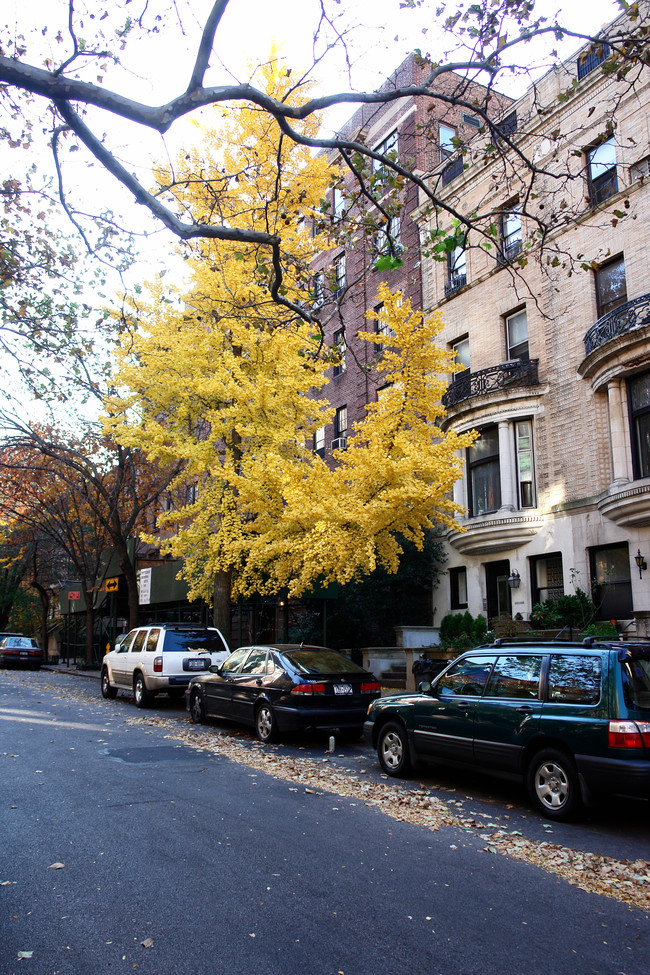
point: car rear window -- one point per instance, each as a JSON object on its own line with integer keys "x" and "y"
{"x": 186, "y": 640}
{"x": 322, "y": 662}
{"x": 636, "y": 680}
{"x": 574, "y": 679}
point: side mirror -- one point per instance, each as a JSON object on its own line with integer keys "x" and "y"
{"x": 424, "y": 687}
{"x": 215, "y": 668}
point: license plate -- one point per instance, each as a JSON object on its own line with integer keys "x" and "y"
{"x": 196, "y": 664}
{"x": 343, "y": 688}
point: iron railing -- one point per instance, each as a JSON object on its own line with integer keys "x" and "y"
{"x": 517, "y": 373}
{"x": 618, "y": 321}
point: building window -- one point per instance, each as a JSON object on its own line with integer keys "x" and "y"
{"x": 591, "y": 58}
{"x": 611, "y": 288}
{"x": 461, "y": 352}
{"x": 508, "y": 126}
{"x": 341, "y": 421}
{"x": 524, "y": 455}
{"x": 446, "y": 134}
{"x": 484, "y": 474}
{"x": 387, "y": 238}
{"x": 547, "y": 578}
{"x": 510, "y": 234}
{"x": 601, "y": 172}
{"x": 458, "y": 586}
{"x": 610, "y": 581}
{"x": 319, "y": 289}
{"x": 386, "y": 148}
{"x": 452, "y": 170}
{"x": 639, "y": 409}
{"x": 319, "y": 441}
{"x": 339, "y": 276}
{"x": 339, "y": 345}
{"x": 338, "y": 204}
{"x": 456, "y": 269}
{"x": 517, "y": 335}
{"x": 383, "y": 331}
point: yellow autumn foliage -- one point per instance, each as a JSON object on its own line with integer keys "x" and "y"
{"x": 231, "y": 382}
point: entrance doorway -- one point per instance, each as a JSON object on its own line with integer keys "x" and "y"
{"x": 497, "y": 588}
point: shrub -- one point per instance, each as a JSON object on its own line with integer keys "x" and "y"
{"x": 463, "y": 631}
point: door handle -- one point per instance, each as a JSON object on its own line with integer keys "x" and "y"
{"x": 525, "y": 709}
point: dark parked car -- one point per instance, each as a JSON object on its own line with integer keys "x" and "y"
{"x": 20, "y": 651}
{"x": 573, "y": 720}
{"x": 285, "y": 687}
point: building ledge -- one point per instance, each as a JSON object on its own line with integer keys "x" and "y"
{"x": 628, "y": 506}
{"x": 495, "y": 533}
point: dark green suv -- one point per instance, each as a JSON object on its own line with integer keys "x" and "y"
{"x": 572, "y": 719}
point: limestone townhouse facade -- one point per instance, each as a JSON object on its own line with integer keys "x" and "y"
{"x": 557, "y": 350}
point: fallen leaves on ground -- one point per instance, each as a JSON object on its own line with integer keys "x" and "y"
{"x": 622, "y": 880}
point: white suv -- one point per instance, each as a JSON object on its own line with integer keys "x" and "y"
{"x": 161, "y": 657}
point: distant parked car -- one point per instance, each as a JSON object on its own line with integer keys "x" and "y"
{"x": 17, "y": 650}
{"x": 572, "y": 720}
{"x": 160, "y": 658}
{"x": 285, "y": 687}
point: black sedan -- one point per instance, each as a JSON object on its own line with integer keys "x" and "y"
{"x": 285, "y": 687}
{"x": 20, "y": 651}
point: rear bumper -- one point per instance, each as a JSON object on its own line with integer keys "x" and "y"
{"x": 615, "y": 775}
{"x": 321, "y": 719}
{"x": 16, "y": 658}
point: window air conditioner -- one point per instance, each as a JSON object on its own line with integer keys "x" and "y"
{"x": 341, "y": 443}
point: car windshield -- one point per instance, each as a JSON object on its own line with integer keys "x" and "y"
{"x": 316, "y": 661}
{"x": 636, "y": 674}
{"x": 20, "y": 641}
{"x": 184, "y": 640}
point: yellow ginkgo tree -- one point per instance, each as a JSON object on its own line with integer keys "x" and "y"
{"x": 228, "y": 381}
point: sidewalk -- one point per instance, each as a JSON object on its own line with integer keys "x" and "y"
{"x": 69, "y": 668}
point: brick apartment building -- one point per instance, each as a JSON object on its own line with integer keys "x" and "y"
{"x": 557, "y": 488}
{"x": 420, "y": 133}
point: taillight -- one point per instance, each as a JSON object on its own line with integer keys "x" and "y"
{"x": 157, "y": 665}
{"x": 371, "y": 688}
{"x": 628, "y": 734}
{"x": 308, "y": 689}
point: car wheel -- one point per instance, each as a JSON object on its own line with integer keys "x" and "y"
{"x": 265, "y": 726}
{"x": 141, "y": 695}
{"x": 107, "y": 691}
{"x": 393, "y": 749}
{"x": 553, "y": 784}
{"x": 197, "y": 711}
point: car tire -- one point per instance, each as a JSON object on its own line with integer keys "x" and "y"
{"x": 141, "y": 695}
{"x": 553, "y": 784}
{"x": 393, "y": 749}
{"x": 265, "y": 723}
{"x": 197, "y": 709}
{"x": 108, "y": 691}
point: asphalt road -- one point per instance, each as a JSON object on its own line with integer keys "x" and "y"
{"x": 223, "y": 869}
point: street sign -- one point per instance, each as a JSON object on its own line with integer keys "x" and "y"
{"x": 112, "y": 585}
{"x": 74, "y": 595}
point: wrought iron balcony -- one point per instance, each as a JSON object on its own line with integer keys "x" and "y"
{"x": 517, "y": 373}
{"x": 620, "y": 320}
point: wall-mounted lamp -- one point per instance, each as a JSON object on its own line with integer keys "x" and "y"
{"x": 514, "y": 579}
{"x": 641, "y": 562}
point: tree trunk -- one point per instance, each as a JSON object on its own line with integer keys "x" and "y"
{"x": 44, "y": 597}
{"x": 131, "y": 580}
{"x": 221, "y": 605}
{"x": 90, "y": 627}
